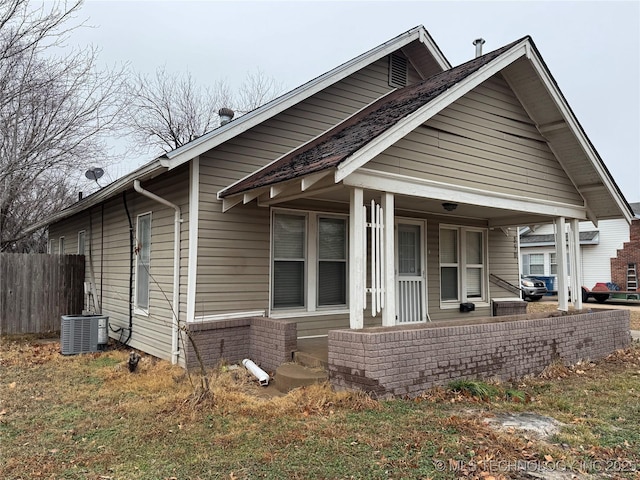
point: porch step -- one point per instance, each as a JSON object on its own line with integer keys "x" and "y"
{"x": 293, "y": 375}
{"x": 311, "y": 359}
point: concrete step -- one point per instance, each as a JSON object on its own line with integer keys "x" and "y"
{"x": 311, "y": 359}
{"x": 292, "y": 375}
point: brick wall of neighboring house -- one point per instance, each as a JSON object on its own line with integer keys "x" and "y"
{"x": 629, "y": 253}
{"x": 266, "y": 341}
{"x": 401, "y": 361}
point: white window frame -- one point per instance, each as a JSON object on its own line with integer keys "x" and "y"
{"x": 462, "y": 267}
{"x": 51, "y": 246}
{"x": 61, "y": 245}
{"x": 311, "y": 273}
{"x": 82, "y": 235}
{"x": 137, "y": 309}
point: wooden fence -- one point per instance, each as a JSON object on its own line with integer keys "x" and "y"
{"x": 37, "y": 289}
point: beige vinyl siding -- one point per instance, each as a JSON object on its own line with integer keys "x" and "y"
{"x": 486, "y": 141}
{"x": 151, "y": 333}
{"x": 503, "y": 261}
{"x": 234, "y": 247}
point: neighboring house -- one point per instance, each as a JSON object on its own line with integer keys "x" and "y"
{"x": 600, "y": 248}
{"x": 266, "y": 221}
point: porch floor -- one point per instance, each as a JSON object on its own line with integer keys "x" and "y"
{"x": 312, "y": 352}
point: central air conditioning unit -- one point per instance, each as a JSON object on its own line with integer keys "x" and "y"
{"x": 83, "y": 333}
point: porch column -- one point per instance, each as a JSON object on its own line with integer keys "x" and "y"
{"x": 576, "y": 264}
{"x": 561, "y": 258}
{"x": 357, "y": 256}
{"x": 389, "y": 280}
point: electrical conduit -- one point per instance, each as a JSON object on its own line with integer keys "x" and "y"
{"x": 176, "y": 264}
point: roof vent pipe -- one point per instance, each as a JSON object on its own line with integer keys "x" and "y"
{"x": 478, "y": 42}
{"x": 226, "y": 115}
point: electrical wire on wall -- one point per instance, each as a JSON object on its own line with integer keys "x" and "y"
{"x": 121, "y": 330}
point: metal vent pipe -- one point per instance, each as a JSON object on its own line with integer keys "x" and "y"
{"x": 478, "y": 42}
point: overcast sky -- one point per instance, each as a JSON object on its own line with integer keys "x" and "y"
{"x": 591, "y": 48}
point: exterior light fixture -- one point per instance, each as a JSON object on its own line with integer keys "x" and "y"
{"x": 449, "y": 207}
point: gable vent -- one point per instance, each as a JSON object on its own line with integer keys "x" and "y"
{"x": 398, "y": 71}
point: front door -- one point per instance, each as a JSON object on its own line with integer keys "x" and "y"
{"x": 410, "y": 278}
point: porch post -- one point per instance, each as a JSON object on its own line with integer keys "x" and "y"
{"x": 575, "y": 264}
{"x": 357, "y": 256}
{"x": 389, "y": 280}
{"x": 561, "y": 258}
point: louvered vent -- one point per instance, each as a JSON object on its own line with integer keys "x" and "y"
{"x": 398, "y": 71}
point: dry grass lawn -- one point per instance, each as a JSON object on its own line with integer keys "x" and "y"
{"x": 87, "y": 417}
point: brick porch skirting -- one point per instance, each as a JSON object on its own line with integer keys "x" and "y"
{"x": 266, "y": 341}
{"x": 407, "y": 360}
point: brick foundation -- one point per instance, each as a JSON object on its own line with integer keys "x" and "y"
{"x": 266, "y": 341}
{"x": 408, "y": 360}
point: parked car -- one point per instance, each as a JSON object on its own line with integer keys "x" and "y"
{"x": 532, "y": 288}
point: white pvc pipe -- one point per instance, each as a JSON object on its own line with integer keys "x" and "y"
{"x": 256, "y": 371}
{"x": 176, "y": 264}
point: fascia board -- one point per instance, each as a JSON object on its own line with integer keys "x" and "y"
{"x": 222, "y": 134}
{"x": 413, "y": 121}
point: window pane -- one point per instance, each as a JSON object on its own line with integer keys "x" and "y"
{"x": 288, "y": 284}
{"x": 142, "y": 261}
{"x": 474, "y": 282}
{"x": 474, "y": 248}
{"x": 536, "y": 264}
{"x": 449, "y": 283}
{"x": 332, "y": 239}
{"x": 448, "y": 246}
{"x": 409, "y": 250}
{"x": 80, "y": 243}
{"x": 332, "y": 283}
{"x": 288, "y": 236}
{"x": 142, "y": 287}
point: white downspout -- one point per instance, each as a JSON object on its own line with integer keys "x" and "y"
{"x": 176, "y": 265}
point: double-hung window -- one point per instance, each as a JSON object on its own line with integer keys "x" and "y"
{"x": 143, "y": 257}
{"x": 289, "y": 260}
{"x": 533, "y": 264}
{"x": 462, "y": 264}
{"x": 309, "y": 266}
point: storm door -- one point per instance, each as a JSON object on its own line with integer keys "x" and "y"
{"x": 410, "y": 272}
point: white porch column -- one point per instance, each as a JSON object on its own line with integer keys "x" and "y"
{"x": 389, "y": 280}
{"x": 561, "y": 258}
{"x": 357, "y": 256}
{"x": 576, "y": 264}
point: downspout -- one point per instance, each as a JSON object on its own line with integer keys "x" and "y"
{"x": 176, "y": 264}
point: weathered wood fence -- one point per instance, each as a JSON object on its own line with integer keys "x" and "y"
{"x": 36, "y": 289}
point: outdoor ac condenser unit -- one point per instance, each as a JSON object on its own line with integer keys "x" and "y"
{"x": 83, "y": 333}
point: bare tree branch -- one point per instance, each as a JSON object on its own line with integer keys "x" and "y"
{"x": 55, "y": 111}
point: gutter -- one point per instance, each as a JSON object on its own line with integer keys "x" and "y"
{"x": 176, "y": 265}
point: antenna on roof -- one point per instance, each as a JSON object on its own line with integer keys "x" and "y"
{"x": 94, "y": 173}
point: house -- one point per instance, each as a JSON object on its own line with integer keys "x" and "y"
{"x": 384, "y": 194}
{"x": 606, "y": 251}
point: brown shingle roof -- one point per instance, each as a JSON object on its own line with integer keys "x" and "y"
{"x": 346, "y": 138}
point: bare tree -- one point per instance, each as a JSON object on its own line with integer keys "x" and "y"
{"x": 54, "y": 112}
{"x": 169, "y": 110}
{"x": 256, "y": 90}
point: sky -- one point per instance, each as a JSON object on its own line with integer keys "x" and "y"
{"x": 591, "y": 48}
